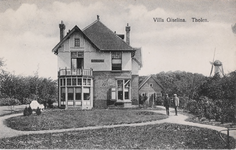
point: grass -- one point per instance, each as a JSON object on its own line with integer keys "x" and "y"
{"x": 64, "y": 119}
{"x": 161, "y": 136}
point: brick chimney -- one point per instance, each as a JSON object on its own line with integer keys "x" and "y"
{"x": 127, "y": 29}
{"x": 62, "y": 29}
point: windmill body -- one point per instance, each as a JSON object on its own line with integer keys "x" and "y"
{"x": 217, "y": 66}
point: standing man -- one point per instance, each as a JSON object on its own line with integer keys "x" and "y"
{"x": 176, "y": 103}
{"x": 167, "y": 104}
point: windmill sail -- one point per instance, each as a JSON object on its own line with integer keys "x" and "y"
{"x": 212, "y": 63}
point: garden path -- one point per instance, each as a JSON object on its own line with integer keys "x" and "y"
{"x": 180, "y": 119}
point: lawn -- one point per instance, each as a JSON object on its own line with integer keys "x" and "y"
{"x": 161, "y": 136}
{"x": 64, "y": 119}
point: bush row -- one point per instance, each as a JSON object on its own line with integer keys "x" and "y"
{"x": 220, "y": 110}
{"x": 9, "y": 101}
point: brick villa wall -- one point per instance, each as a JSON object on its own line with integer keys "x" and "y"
{"x": 103, "y": 82}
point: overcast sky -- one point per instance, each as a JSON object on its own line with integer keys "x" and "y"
{"x": 29, "y": 30}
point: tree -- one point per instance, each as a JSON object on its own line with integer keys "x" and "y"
{"x": 184, "y": 84}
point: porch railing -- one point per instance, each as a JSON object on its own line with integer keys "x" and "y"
{"x": 75, "y": 72}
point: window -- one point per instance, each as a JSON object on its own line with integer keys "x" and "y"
{"x": 88, "y": 81}
{"x": 68, "y": 81}
{"x": 77, "y": 42}
{"x": 120, "y": 89}
{"x": 86, "y": 93}
{"x": 84, "y": 82}
{"x": 70, "y": 93}
{"x": 127, "y": 89}
{"x": 63, "y": 95}
{"x": 116, "y": 60}
{"x": 78, "y": 93}
{"x": 73, "y": 81}
{"x": 151, "y": 85}
{"x": 77, "y": 60}
{"x": 79, "y": 81}
{"x": 123, "y": 89}
{"x": 62, "y": 81}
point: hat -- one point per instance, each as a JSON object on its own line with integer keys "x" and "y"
{"x": 175, "y": 94}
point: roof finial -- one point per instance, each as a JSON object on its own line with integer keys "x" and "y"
{"x": 98, "y": 17}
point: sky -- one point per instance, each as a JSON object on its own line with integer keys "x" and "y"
{"x": 29, "y": 29}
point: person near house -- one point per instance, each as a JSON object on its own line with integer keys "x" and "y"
{"x": 176, "y": 103}
{"x": 167, "y": 104}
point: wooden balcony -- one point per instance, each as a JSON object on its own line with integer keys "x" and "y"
{"x": 75, "y": 72}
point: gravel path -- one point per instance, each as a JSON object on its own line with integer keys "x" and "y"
{"x": 6, "y": 132}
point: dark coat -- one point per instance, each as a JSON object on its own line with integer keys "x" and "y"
{"x": 167, "y": 102}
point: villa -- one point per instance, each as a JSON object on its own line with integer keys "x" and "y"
{"x": 97, "y": 67}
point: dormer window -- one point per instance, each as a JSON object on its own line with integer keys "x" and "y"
{"x": 77, "y": 42}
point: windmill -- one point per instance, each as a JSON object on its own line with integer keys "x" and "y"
{"x": 217, "y": 66}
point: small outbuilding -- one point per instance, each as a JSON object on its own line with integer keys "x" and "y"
{"x": 152, "y": 88}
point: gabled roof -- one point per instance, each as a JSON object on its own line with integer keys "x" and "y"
{"x": 75, "y": 29}
{"x": 138, "y": 56}
{"x": 146, "y": 79}
{"x": 104, "y": 38}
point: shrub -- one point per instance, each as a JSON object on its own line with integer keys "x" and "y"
{"x": 50, "y": 103}
{"x": 159, "y": 100}
{"x": 192, "y": 107}
{"x": 134, "y": 102}
{"x": 30, "y": 110}
{"x": 183, "y": 101}
{"x": 26, "y": 112}
{"x": 38, "y": 111}
{"x": 142, "y": 98}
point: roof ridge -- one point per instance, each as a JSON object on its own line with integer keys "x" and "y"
{"x": 147, "y": 78}
{"x": 157, "y": 81}
{"x": 116, "y": 35}
{"x": 90, "y": 25}
{"x": 108, "y": 29}
{"x": 144, "y": 81}
{"x": 68, "y": 34}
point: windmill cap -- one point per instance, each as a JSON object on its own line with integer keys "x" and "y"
{"x": 217, "y": 63}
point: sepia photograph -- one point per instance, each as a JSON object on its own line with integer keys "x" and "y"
{"x": 128, "y": 74}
